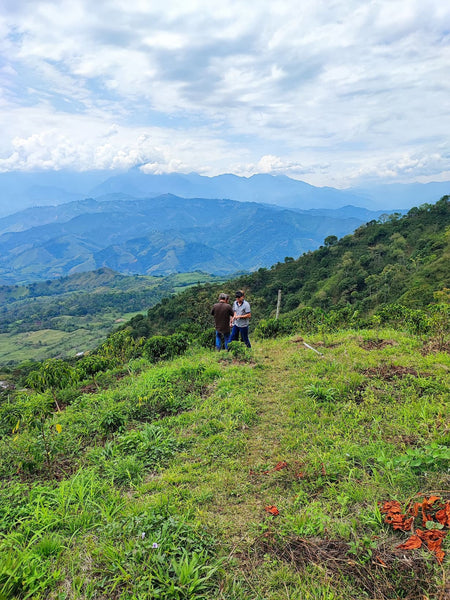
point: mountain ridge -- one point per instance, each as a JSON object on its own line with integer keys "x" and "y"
{"x": 21, "y": 190}
{"x": 181, "y": 235}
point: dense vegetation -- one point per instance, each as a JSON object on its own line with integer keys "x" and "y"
{"x": 399, "y": 259}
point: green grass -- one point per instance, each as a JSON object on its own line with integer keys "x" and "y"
{"x": 158, "y": 486}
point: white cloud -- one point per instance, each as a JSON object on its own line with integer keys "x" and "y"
{"x": 333, "y": 91}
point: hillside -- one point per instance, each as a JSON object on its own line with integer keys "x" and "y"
{"x": 314, "y": 466}
{"x": 274, "y": 475}
{"x": 159, "y": 236}
{"x": 62, "y": 317}
{"x": 397, "y": 259}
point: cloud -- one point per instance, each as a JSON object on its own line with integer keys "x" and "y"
{"x": 333, "y": 91}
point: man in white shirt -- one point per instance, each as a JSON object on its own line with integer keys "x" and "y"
{"x": 241, "y": 319}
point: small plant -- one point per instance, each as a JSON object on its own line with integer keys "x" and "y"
{"x": 125, "y": 471}
{"x": 53, "y": 375}
{"x": 239, "y": 351}
{"x": 318, "y": 392}
{"x": 432, "y": 457}
{"x": 188, "y": 578}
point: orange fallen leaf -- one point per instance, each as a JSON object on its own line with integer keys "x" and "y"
{"x": 413, "y": 542}
{"x": 399, "y": 521}
{"x": 443, "y": 516}
{"x": 381, "y": 561}
{"x": 431, "y": 534}
{"x": 272, "y": 510}
{"x": 391, "y": 506}
{"x": 439, "y": 555}
{"x": 425, "y": 518}
{"x": 427, "y": 504}
{"x": 280, "y": 465}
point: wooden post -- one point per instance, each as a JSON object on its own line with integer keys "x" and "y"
{"x": 278, "y": 304}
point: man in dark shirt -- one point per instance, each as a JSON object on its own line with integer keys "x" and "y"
{"x": 223, "y": 313}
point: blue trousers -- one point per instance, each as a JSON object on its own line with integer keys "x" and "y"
{"x": 243, "y": 332}
{"x": 219, "y": 337}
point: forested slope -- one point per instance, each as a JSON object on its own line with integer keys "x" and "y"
{"x": 398, "y": 259}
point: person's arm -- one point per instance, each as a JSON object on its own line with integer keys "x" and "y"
{"x": 245, "y": 316}
{"x": 248, "y": 314}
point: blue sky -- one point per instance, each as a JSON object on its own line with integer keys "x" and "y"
{"x": 338, "y": 93}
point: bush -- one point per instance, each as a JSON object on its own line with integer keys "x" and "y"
{"x": 165, "y": 347}
{"x": 208, "y": 338}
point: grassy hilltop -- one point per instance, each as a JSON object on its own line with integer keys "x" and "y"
{"x": 232, "y": 476}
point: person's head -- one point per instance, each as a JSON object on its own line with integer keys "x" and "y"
{"x": 239, "y": 295}
{"x": 223, "y": 297}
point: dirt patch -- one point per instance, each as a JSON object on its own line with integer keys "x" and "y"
{"x": 386, "y": 574}
{"x": 433, "y": 346}
{"x": 377, "y": 344}
{"x": 89, "y": 389}
{"x": 389, "y": 372}
{"x": 357, "y": 395}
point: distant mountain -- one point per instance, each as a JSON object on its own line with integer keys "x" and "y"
{"x": 403, "y": 195}
{"x": 20, "y": 190}
{"x": 161, "y": 235}
{"x": 267, "y": 189}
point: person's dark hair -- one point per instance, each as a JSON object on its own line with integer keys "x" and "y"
{"x": 239, "y": 294}
{"x": 223, "y": 296}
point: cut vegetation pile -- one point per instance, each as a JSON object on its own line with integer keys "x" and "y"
{"x": 272, "y": 474}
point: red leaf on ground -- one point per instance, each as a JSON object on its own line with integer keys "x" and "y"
{"x": 391, "y": 506}
{"x": 280, "y": 465}
{"x": 413, "y": 542}
{"x": 272, "y": 510}
{"x": 427, "y": 504}
{"x": 443, "y": 516}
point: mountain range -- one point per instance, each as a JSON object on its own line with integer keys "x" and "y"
{"x": 19, "y": 190}
{"x": 162, "y": 235}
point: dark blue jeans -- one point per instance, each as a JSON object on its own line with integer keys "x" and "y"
{"x": 219, "y": 337}
{"x": 243, "y": 332}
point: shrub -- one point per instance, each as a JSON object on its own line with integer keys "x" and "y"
{"x": 207, "y": 339}
{"x": 164, "y": 347}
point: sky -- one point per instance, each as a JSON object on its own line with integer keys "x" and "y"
{"x": 338, "y": 93}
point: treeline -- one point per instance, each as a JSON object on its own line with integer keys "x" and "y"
{"x": 394, "y": 260}
{"x": 37, "y": 313}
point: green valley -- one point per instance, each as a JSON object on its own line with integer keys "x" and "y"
{"x": 62, "y": 317}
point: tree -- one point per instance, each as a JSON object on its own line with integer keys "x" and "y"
{"x": 53, "y": 374}
{"x": 330, "y": 240}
